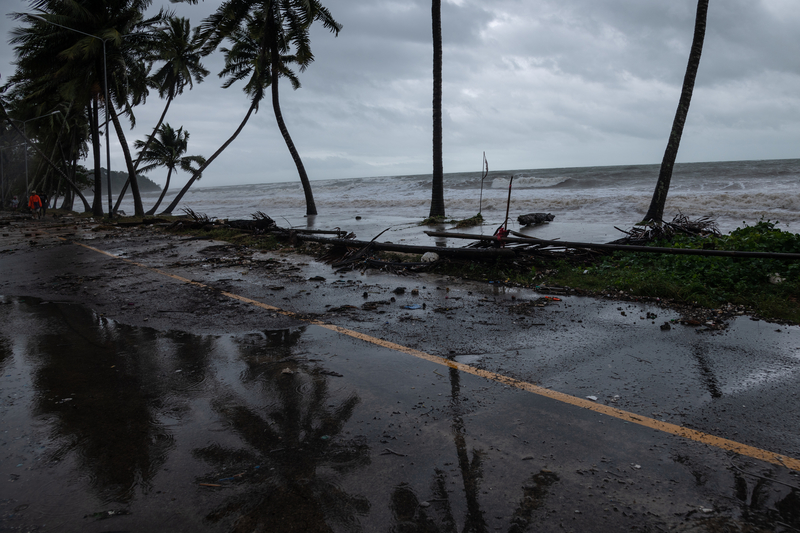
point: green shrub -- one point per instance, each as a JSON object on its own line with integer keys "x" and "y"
{"x": 710, "y": 281}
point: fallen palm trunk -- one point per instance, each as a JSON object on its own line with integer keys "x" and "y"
{"x": 289, "y": 231}
{"x": 315, "y": 231}
{"x": 619, "y": 247}
{"x": 474, "y": 253}
{"x": 143, "y": 222}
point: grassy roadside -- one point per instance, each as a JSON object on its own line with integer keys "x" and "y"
{"x": 767, "y": 288}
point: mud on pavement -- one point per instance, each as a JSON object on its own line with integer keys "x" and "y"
{"x": 157, "y": 383}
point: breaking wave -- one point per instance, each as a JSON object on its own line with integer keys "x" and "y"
{"x": 731, "y": 192}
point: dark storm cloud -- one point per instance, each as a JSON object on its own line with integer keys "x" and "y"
{"x": 535, "y": 83}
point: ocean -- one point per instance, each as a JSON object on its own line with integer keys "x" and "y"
{"x": 587, "y": 202}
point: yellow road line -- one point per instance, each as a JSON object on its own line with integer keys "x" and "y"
{"x": 691, "y": 434}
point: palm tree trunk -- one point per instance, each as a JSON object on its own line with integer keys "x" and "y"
{"x": 69, "y": 194}
{"x": 311, "y": 207}
{"x": 38, "y": 150}
{"x": 177, "y": 199}
{"x": 137, "y": 197}
{"x": 437, "y": 189}
{"x": 161, "y": 197}
{"x": 97, "y": 202}
{"x": 57, "y": 191}
{"x": 139, "y": 160}
{"x": 655, "y": 213}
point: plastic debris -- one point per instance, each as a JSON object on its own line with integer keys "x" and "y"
{"x": 593, "y": 398}
{"x": 412, "y": 306}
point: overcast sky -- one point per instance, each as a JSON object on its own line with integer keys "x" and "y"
{"x": 533, "y": 83}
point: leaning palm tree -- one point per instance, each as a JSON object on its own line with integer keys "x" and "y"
{"x": 129, "y": 81}
{"x": 288, "y": 22}
{"x": 656, "y": 210}
{"x": 437, "y": 189}
{"x": 245, "y": 58}
{"x": 180, "y": 51}
{"x": 281, "y": 30}
{"x": 167, "y": 149}
{"x": 267, "y": 39}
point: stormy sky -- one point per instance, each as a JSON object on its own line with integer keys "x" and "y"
{"x": 533, "y": 83}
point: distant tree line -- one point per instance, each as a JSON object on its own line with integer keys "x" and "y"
{"x": 119, "y": 178}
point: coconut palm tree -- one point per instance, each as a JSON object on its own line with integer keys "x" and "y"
{"x": 281, "y": 30}
{"x": 267, "y": 39}
{"x": 180, "y": 51}
{"x": 656, "y": 210}
{"x": 288, "y": 23}
{"x": 437, "y": 189}
{"x": 245, "y": 58}
{"x": 166, "y": 149}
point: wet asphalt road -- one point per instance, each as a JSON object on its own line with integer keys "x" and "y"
{"x": 134, "y": 401}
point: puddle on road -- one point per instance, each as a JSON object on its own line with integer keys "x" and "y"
{"x": 168, "y": 431}
{"x": 99, "y": 417}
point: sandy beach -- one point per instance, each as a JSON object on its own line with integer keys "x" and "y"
{"x": 164, "y": 383}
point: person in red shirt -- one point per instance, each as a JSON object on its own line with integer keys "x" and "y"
{"x": 35, "y": 204}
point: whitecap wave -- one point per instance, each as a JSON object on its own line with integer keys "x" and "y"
{"x": 608, "y": 195}
{"x": 529, "y": 182}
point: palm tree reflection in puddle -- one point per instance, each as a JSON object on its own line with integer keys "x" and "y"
{"x": 762, "y": 499}
{"x": 292, "y": 449}
{"x": 436, "y": 514}
{"x": 104, "y": 387}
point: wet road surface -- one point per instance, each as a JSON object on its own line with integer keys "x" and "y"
{"x": 134, "y": 401}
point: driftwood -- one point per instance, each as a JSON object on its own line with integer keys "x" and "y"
{"x": 615, "y": 247}
{"x": 535, "y": 218}
{"x": 471, "y": 253}
{"x": 259, "y": 225}
{"x": 353, "y": 256}
{"x": 702, "y": 227}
